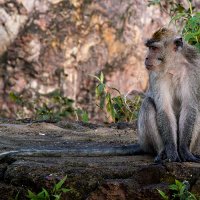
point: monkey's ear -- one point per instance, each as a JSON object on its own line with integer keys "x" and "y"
{"x": 178, "y": 42}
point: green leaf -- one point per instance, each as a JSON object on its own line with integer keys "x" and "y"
{"x": 85, "y": 117}
{"x": 101, "y": 88}
{"x": 65, "y": 190}
{"x": 16, "y": 98}
{"x": 57, "y": 196}
{"x": 179, "y": 184}
{"x": 173, "y": 187}
{"x": 46, "y": 194}
{"x": 59, "y": 184}
{"x": 17, "y": 196}
{"x": 41, "y": 195}
{"x": 101, "y": 77}
{"x": 192, "y": 196}
{"x": 182, "y": 190}
{"x": 180, "y": 8}
{"x": 164, "y": 196}
{"x": 31, "y": 195}
{"x": 102, "y": 102}
{"x": 197, "y": 45}
{"x": 110, "y": 107}
{"x": 189, "y": 36}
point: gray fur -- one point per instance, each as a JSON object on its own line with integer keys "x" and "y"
{"x": 174, "y": 89}
{"x": 132, "y": 149}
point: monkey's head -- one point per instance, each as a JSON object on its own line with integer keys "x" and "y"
{"x": 164, "y": 46}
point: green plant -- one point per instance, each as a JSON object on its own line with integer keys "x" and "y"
{"x": 191, "y": 31}
{"x": 16, "y": 196}
{"x": 58, "y": 107}
{"x": 16, "y": 98}
{"x": 187, "y": 18}
{"x": 117, "y": 108}
{"x": 180, "y": 190}
{"x": 54, "y": 194}
{"x": 53, "y": 106}
{"x": 81, "y": 115}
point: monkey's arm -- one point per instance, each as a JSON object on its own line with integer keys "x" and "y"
{"x": 167, "y": 129}
{"x": 133, "y": 149}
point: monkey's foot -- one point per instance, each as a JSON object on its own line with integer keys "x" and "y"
{"x": 160, "y": 157}
{"x": 163, "y": 158}
{"x": 187, "y": 156}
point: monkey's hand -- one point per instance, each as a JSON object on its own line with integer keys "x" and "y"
{"x": 187, "y": 156}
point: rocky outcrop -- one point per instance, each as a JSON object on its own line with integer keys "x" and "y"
{"x": 49, "y": 45}
{"x": 90, "y": 177}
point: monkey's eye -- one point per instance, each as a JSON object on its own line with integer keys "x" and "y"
{"x": 153, "y": 48}
{"x": 161, "y": 59}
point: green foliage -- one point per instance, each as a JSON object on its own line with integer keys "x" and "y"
{"x": 16, "y": 196}
{"x": 57, "y": 108}
{"x": 180, "y": 190}
{"x": 163, "y": 195}
{"x": 54, "y": 106}
{"x": 186, "y": 18}
{"x": 117, "y": 108}
{"x": 54, "y": 194}
{"x": 16, "y": 98}
{"x": 81, "y": 115}
{"x": 43, "y": 195}
{"x": 191, "y": 31}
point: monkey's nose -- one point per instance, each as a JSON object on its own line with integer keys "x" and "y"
{"x": 148, "y": 64}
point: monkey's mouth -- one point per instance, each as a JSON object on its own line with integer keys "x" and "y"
{"x": 149, "y": 67}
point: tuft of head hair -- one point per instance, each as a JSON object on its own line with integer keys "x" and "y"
{"x": 163, "y": 33}
{"x": 160, "y": 35}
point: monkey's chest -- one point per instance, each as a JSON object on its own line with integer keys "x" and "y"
{"x": 171, "y": 91}
{"x": 176, "y": 89}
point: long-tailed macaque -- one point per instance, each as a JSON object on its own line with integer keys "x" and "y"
{"x": 169, "y": 118}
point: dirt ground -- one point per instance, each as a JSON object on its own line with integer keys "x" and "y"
{"x": 61, "y": 135}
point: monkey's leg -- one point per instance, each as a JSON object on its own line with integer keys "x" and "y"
{"x": 188, "y": 128}
{"x": 194, "y": 144}
{"x": 149, "y": 137}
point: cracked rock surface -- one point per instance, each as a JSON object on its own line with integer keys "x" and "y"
{"x": 89, "y": 177}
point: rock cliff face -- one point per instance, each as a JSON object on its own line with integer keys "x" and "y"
{"x": 49, "y": 45}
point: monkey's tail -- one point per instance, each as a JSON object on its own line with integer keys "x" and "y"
{"x": 133, "y": 149}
